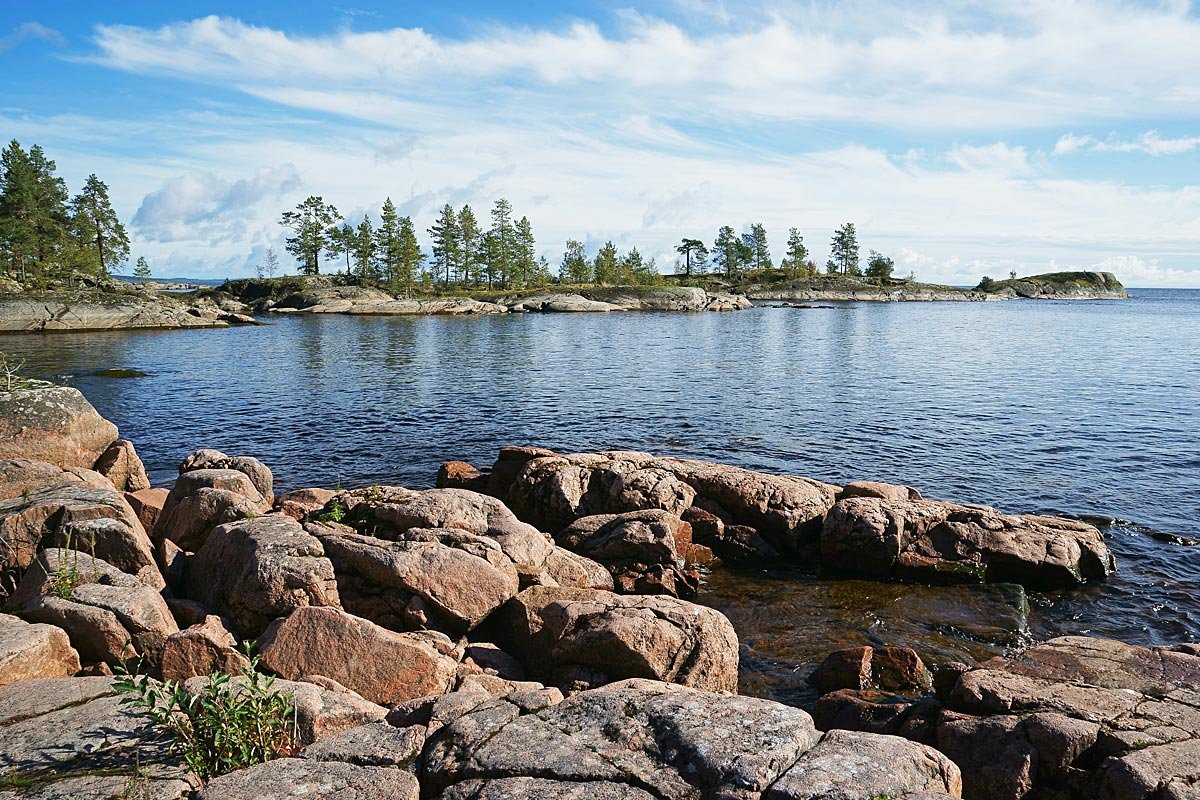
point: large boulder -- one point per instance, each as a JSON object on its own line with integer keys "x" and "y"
{"x": 580, "y": 638}
{"x": 552, "y": 491}
{"x": 299, "y": 503}
{"x": 938, "y": 542}
{"x": 641, "y": 739}
{"x": 34, "y": 651}
{"x": 201, "y": 500}
{"x": 640, "y": 548}
{"x": 258, "y": 473}
{"x": 201, "y": 649}
{"x": 256, "y": 570}
{"x": 286, "y": 778}
{"x": 72, "y": 738}
{"x": 389, "y": 511}
{"x": 55, "y": 424}
{"x": 893, "y": 669}
{"x": 121, "y": 465}
{"x": 82, "y": 517}
{"x": 564, "y": 568}
{"x": 21, "y": 476}
{"x": 109, "y": 616}
{"x": 383, "y": 666}
{"x": 443, "y": 579}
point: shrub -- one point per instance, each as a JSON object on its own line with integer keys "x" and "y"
{"x": 229, "y": 725}
{"x": 986, "y": 284}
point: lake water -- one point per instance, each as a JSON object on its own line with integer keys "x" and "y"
{"x": 1077, "y": 407}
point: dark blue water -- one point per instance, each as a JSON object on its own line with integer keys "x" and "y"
{"x": 1079, "y": 407}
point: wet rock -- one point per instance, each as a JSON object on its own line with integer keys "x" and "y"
{"x": 202, "y": 650}
{"x": 71, "y": 738}
{"x": 256, "y": 570}
{"x": 996, "y": 759}
{"x": 872, "y": 711}
{"x": 56, "y": 425}
{"x": 21, "y": 476}
{"x": 389, "y": 511}
{"x": 878, "y": 489}
{"x": 938, "y": 542}
{"x": 1169, "y": 770}
{"x": 586, "y": 638}
{"x": 461, "y": 475}
{"x": 299, "y": 503}
{"x": 460, "y": 577}
{"x": 866, "y": 766}
{"x": 109, "y": 616}
{"x": 34, "y": 651}
{"x": 286, "y": 778}
{"x": 639, "y": 548}
{"x": 894, "y": 669}
{"x": 383, "y": 666}
{"x": 733, "y": 544}
{"x": 121, "y": 465}
{"x": 201, "y": 500}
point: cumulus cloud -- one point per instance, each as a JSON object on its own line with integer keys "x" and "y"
{"x": 31, "y": 30}
{"x": 203, "y": 205}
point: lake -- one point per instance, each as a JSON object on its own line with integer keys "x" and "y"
{"x": 1088, "y": 407}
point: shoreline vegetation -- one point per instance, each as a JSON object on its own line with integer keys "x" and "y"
{"x": 58, "y": 253}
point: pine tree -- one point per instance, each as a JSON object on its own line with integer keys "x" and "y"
{"x": 446, "y": 246}
{"x": 760, "y": 255}
{"x": 341, "y": 242}
{"x": 728, "y": 250}
{"x": 387, "y": 242}
{"x": 97, "y": 228}
{"x": 526, "y": 253}
{"x": 575, "y": 267}
{"x": 796, "y": 261}
{"x": 843, "y": 255}
{"x": 18, "y": 204}
{"x": 141, "y": 270}
{"x": 410, "y": 255}
{"x": 502, "y": 244}
{"x": 471, "y": 242}
{"x": 312, "y": 226}
{"x": 364, "y": 246}
{"x": 607, "y": 266}
{"x": 541, "y": 274}
{"x": 879, "y": 267}
{"x": 694, "y": 254}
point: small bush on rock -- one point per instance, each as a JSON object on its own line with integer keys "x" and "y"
{"x": 228, "y": 725}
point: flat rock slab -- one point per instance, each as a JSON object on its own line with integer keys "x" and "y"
{"x": 71, "y": 738}
{"x": 287, "y": 778}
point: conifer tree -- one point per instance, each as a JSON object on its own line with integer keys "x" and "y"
{"x": 502, "y": 244}
{"x": 843, "y": 255}
{"x": 760, "y": 250}
{"x": 471, "y": 244}
{"x": 526, "y": 256}
{"x": 410, "y": 256}
{"x": 387, "y": 242}
{"x": 607, "y": 265}
{"x": 364, "y": 246}
{"x": 879, "y": 266}
{"x": 312, "y": 224}
{"x": 446, "y": 246}
{"x": 694, "y": 254}
{"x": 796, "y": 260}
{"x": 141, "y": 270}
{"x": 575, "y": 267}
{"x": 728, "y": 250}
{"x": 97, "y": 229}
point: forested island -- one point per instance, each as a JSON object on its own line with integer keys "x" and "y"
{"x": 59, "y": 254}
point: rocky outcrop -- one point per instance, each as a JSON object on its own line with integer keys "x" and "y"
{"x": 259, "y": 569}
{"x": 628, "y": 298}
{"x": 54, "y": 424}
{"x": 121, "y": 465}
{"x": 582, "y": 638}
{"x": 369, "y": 301}
{"x": 33, "y": 651}
{"x": 383, "y": 666}
{"x": 551, "y": 491}
{"x": 1061, "y": 286}
{"x": 639, "y": 548}
{"x": 893, "y": 669}
{"x": 442, "y": 578}
{"x": 72, "y": 738}
{"x": 259, "y": 474}
{"x": 938, "y": 542}
{"x": 390, "y": 511}
{"x": 286, "y": 778}
{"x": 299, "y": 503}
{"x": 109, "y": 616}
{"x": 103, "y": 312}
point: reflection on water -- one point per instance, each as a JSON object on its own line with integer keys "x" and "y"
{"x": 1086, "y": 408}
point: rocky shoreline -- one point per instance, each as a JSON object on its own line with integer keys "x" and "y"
{"x": 526, "y": 630}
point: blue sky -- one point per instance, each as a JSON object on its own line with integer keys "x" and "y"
{"x": 962, "y": 138}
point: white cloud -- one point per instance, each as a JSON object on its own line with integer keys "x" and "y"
{"x": 30, "y": 30}
{"x": 995, "y": 158}
{"x": 202, "y": 205}
{"x": 1150, "y": 143}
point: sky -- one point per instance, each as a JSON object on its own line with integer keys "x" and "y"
{"x": 962, "y": 138}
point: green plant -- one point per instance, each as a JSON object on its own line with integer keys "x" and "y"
{"x": 336, "y": 513}
{"x": 9, "y": 379}
{"x": 66, "y": 575}
{"x": 226, "y": 725}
